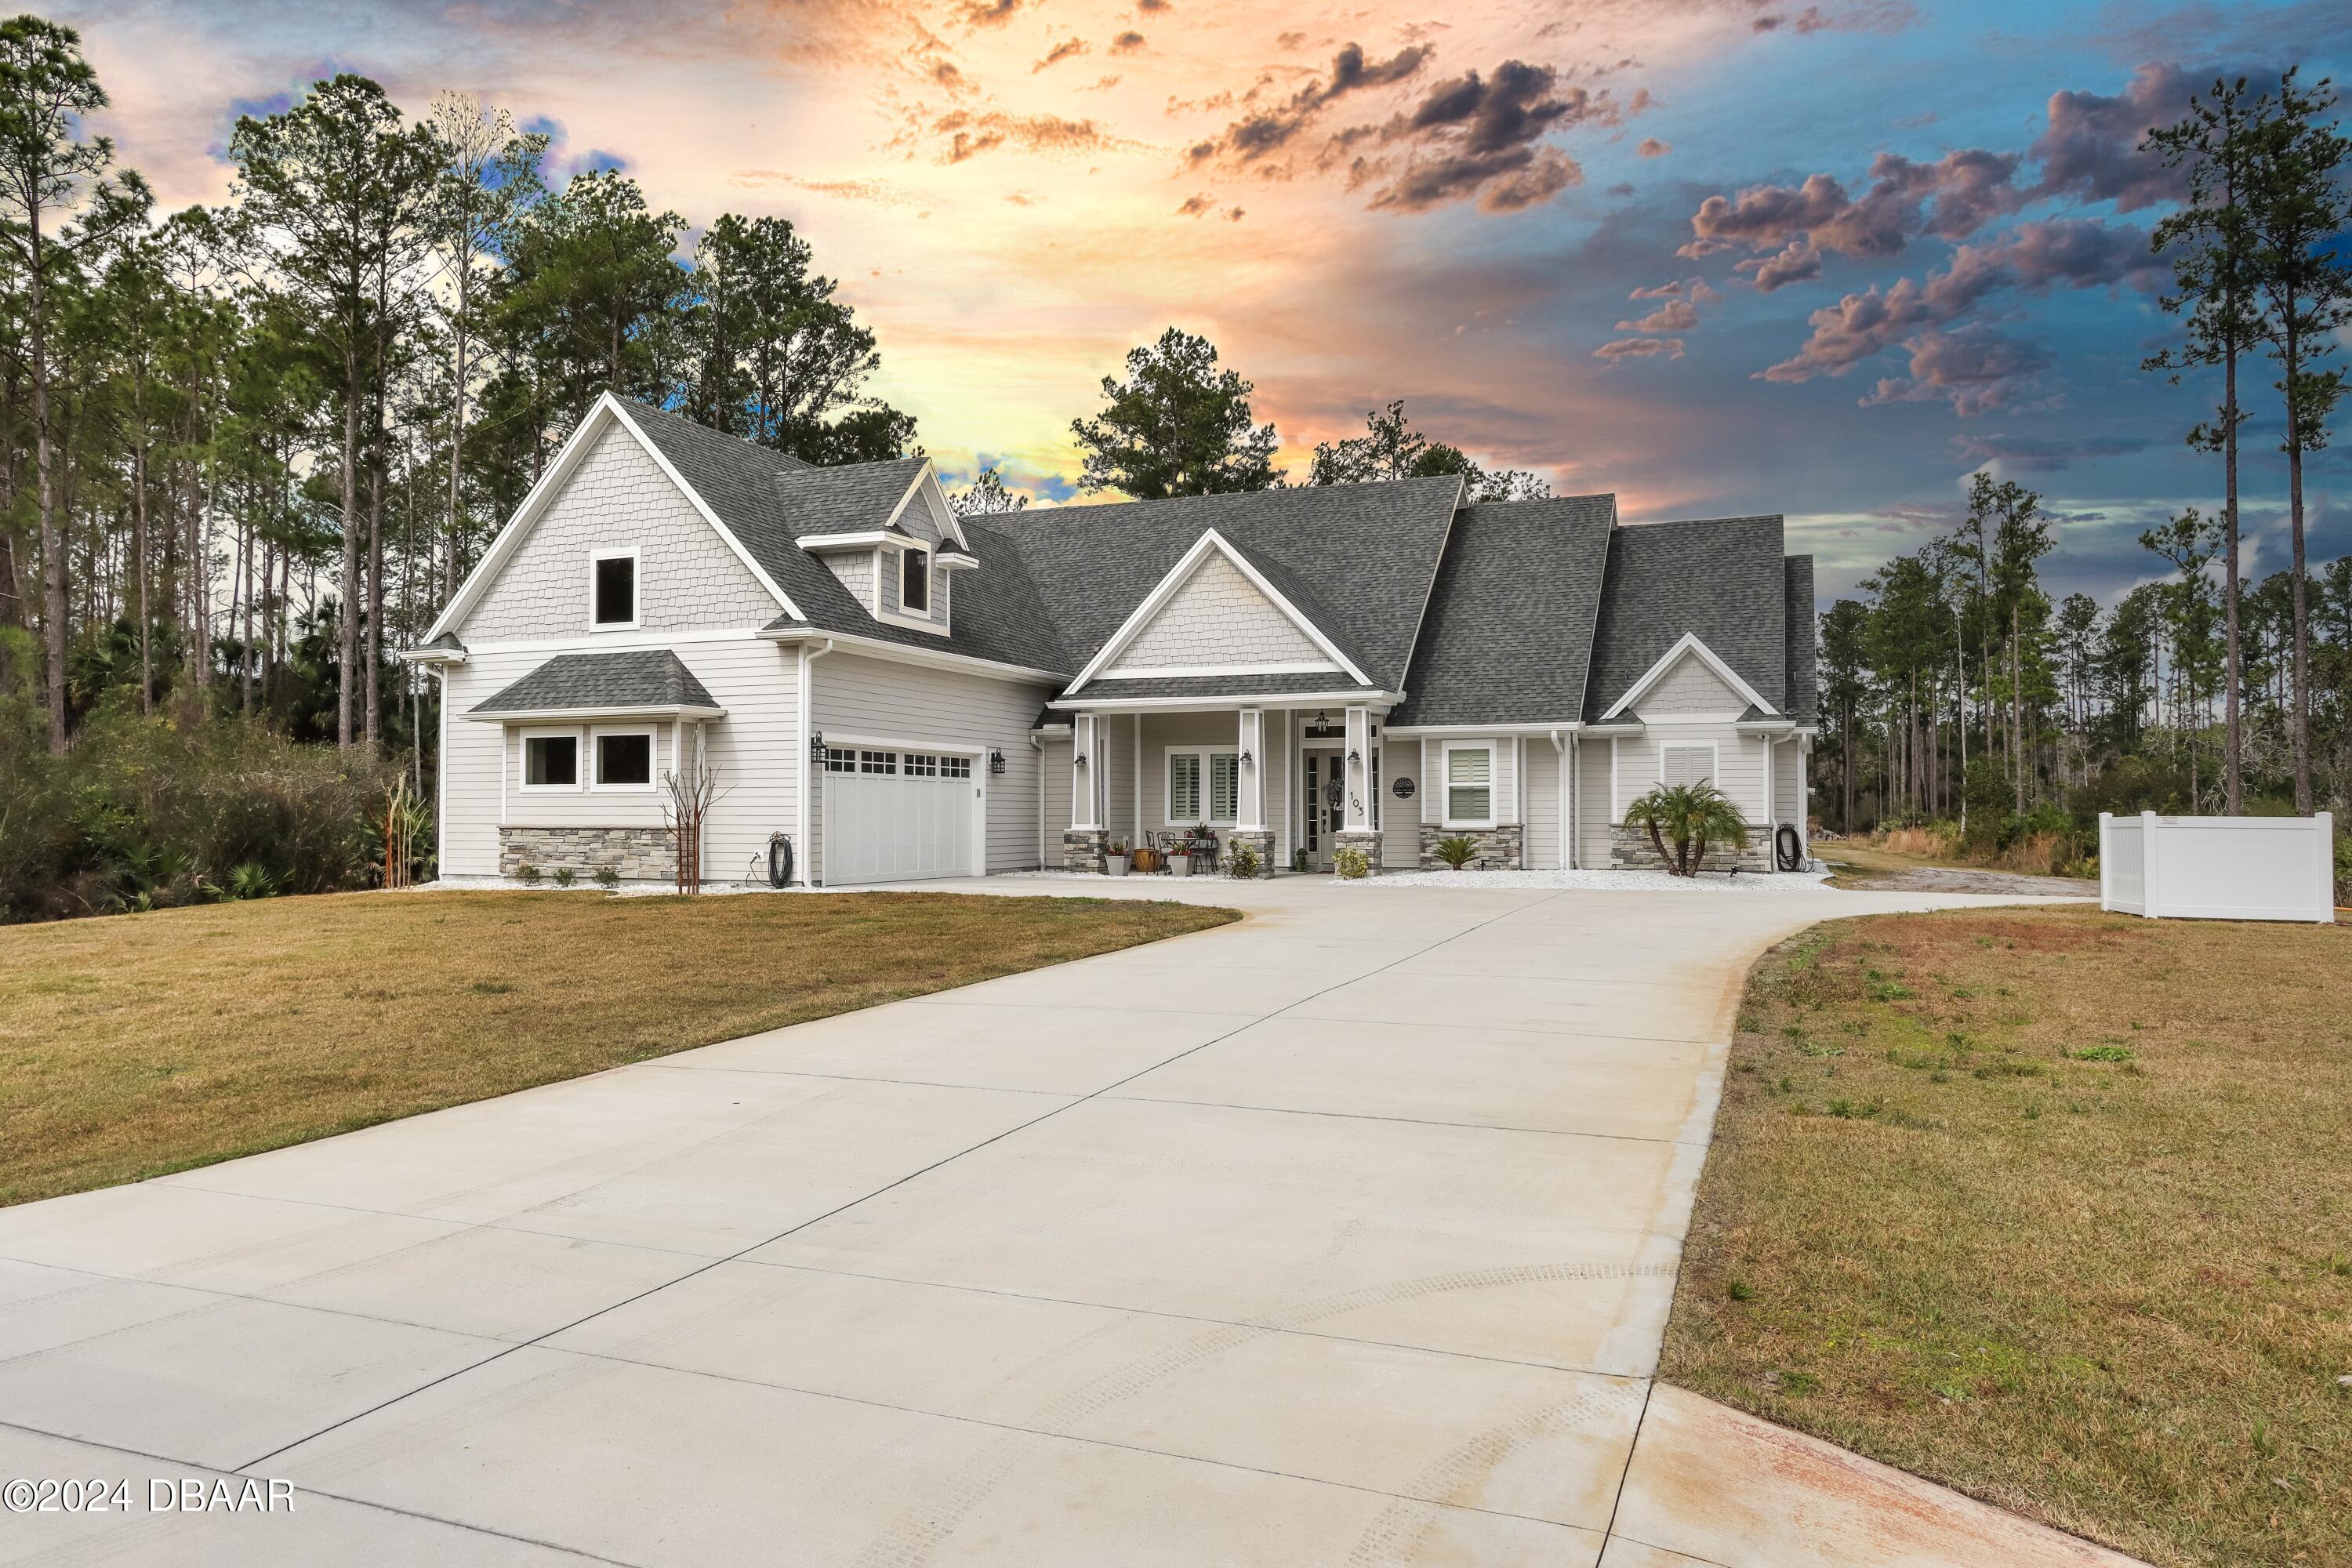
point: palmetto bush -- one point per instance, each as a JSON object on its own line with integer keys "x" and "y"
{"x": 1692, "y": 818}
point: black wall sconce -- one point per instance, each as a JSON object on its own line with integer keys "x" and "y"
{"x": 1081, "y": 759}
{"x": 995, "y": 760}
{"x": 1248, "y": 760}
{"x": 1355, "y": 756}
{"x": 816, "y": 746}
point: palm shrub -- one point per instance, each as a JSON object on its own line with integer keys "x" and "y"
{"x": 1457, "y": 852}
{"x": 1692, "y": 817}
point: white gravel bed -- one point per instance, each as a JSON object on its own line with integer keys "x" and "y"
{"x": 1471, "y": 881}
{"x": 1603, "y": 882}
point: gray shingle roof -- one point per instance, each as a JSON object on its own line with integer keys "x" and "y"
{"x": 1801, "y": 633}
{"x": 768, "y": 503}
{"x": 637, "y": 680}
{"x": 1721, "y": 578}
{"x": 1509, "y": 633}
{"x": 1370, "y": 553}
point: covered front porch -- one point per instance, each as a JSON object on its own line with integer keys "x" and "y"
{"x": 1285, "y": 785}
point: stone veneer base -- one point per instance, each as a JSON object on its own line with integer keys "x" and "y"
{"x": 1630, "y": 849}
{"x": 638, "y": 854}
{"x": 1503, "y": 848}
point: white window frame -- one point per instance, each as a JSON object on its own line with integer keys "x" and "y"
{"x": 1445, "y": 784}
{"x": 1168, "y": 754}
{"x": 579, "y": 760}
{"x": 1714, "y": 750}
{"x": 596, "y": 734}
{"x": 930, "y": 595}
{"x": 636, "y": 589}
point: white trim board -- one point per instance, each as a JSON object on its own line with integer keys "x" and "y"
{"x": 1176, "y": 577}
{"x": 947, "y": 658}
{"x": 1688, "y": 643}
{"x": 1383, "y": 701}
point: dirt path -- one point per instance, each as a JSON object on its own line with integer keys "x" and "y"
{"x": 1961, "y": 879}
{"x": 1865, "y": 867}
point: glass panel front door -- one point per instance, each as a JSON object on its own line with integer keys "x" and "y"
{"x": 1325, "y": 806}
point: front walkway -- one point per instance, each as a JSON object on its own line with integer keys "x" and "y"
{"x": 1343, "y": 1235}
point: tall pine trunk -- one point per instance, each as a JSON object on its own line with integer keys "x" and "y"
{"x": 53, "y": 550}
{"x": 348, "y": 642}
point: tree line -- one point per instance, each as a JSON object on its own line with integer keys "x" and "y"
{"x": 246, "y": 450}
{"x": 1954, "y": 690}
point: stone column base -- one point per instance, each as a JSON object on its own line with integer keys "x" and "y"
{"x": 1369, "y": 843}
{"x": 1085, "y": 849}
{"x": 1503, "y": 848}
{"x": 1261, "y": 841}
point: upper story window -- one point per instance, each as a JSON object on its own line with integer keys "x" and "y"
{"x": 915, "y": 581}
{"x": 612, "y": 589}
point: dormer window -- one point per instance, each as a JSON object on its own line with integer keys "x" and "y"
{"x": 612, "y": 589}
{"x": 915, "y": 581}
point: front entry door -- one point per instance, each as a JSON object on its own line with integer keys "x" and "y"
{"x": 1326, "y": 805}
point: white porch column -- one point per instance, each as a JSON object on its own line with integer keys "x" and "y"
{"x": 1358, "y": 771}
{"x": 1251, "y": 808}
{"x": 1085, "y": 772}
{"x": 1804, "y": 789}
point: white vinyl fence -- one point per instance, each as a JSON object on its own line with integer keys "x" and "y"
{"x": 2219, "y": 868}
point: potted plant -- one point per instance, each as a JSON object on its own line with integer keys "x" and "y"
{"x": 1114, "y": 862}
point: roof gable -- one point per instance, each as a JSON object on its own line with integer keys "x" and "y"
{"x": 1717, "y": 582}
{"x": 605, "y": 416}
{"x": 1356, "y": 561}
{"x": 1690, "y": 681}
{"x": 1217, "y": 612}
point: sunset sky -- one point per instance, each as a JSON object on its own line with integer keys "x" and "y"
{"x": 1748, "y": 256}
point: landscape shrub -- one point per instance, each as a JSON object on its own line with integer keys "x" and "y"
{"x": 1352, "y": 864}
{"x": 143, "y": 813}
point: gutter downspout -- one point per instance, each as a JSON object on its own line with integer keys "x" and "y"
{"x": 1567, "y": 810}
{"x": 808, "y": 763}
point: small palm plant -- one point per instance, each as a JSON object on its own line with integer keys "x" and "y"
{"x": 1694, "y": 816}
{"x": 1457, "y": 852}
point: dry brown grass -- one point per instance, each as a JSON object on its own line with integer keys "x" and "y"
{"x": 2054, "y": 1208}
{"x": 141, "y": 1044}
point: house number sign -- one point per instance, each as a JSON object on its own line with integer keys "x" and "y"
{"x": 1402, "y": 789}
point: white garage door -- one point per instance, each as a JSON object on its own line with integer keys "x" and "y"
{"x": 898, "y": 815}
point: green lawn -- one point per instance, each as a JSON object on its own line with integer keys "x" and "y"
{"x": 136, "y": 1044}
{"x": 2052, "y": 1206}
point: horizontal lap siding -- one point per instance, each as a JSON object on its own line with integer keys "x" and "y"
{"x": 752, "y": 747}
{"x": 1738, "y": 770}
{"x": 913, "y": 703}
{"x": 1542, "y": 812}
{"x": 1592, "y": 808}
{"x": 1787, "y": 794}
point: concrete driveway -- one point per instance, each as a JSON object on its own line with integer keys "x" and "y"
{"x": 1345, "y": 1234}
